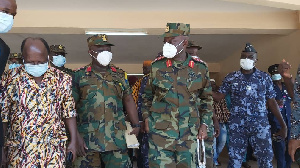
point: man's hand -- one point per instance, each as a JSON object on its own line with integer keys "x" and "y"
{"x": 282, "y": 132}
{"x": 202, "y": 133}
{"x": 4, "y": 158}
{"x": 72, "y": 147}
{"x": 284, "y": 69}
{"x": 81, "y": 146}
{"x": 293, "y": 146}
{"x": 135, "y": 131}
{"x": 217, "y": 130}
{"x": 146, "y": 126}
{"x": 142, "y": 130}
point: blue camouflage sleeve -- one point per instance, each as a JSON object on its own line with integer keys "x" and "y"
{"x": 225, "y": 87}
{"x": 295, "y": 117}
{"x": 270, "y": 92}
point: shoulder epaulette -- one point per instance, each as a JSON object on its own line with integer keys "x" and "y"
{"x": 78, "y": 69}
{"x": 158, "y": 58}
{"x": 197, "y": 59}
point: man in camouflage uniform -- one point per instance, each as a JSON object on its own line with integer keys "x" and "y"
{"x": 15, "y": 60}
{"x": 250, "y": 90}
{"x": 193, "y": 48}
{"x": 177, "y": 105}
{"x": 101, "y": 90}
{"x": 58, "y": 58}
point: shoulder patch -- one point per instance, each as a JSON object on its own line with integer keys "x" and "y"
{"x": 158, "y": 58}
{"x": 197, "y": 59}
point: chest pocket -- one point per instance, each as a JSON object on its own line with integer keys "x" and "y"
{"x": 115, "y": 89}
{"x": 194, "y": 81}
{"x": 236, "y": 89}
{"x": 162, "y": 87}
{"x": 88, "y": 88}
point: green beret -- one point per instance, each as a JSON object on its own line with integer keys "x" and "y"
{"x": 177, "y": 29}
{"x": 15, "y": 55}
{"x": 192, "y": 44}
{"x": 57, "y": 49}
{"x": 99, "y": 39}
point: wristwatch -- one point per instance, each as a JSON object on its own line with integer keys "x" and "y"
{"x": 136, "y": 125}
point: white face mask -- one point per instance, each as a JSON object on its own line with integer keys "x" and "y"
{"x": 59, "y": 60}
{"x": 276, "y": 77}
{"x": 169, "y": 50}
{"x": 6, "y": 22}
{"x": 104, "y": 57}
{"x": 36, "y": 70}
{"x": 247, "y": 64}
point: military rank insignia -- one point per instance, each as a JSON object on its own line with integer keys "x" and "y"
{"x": 191, "y": 64}
{"x": 167, "y": 29}
{"x": 104, "y": 38}
{"x": 169, "y": 63}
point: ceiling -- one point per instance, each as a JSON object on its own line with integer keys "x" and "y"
{"x": 136, "y": 49}
{"x": 141, "y": 5}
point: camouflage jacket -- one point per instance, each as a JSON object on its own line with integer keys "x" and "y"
{"x": 67, "y": 70}
{"x": 295, "y": 117}
{"x": 98, "y": 98}
{"x": 177, "y": 99}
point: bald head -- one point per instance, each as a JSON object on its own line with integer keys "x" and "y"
{"x": 8, "y": 6}
{"x": 35, "y": 50}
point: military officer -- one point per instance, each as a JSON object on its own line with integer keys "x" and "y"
{"x": 58, "y": 58}
{"x": 250, "y": 90}
{"x": 193, "y": 48}
{"x": 177, "y": 106}
{"x": 15, "y": 60}
{"x": 101, "y": 90}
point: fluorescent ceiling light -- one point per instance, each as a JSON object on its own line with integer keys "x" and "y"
{"x": 117, "y": 32}
{"x": 136, "y": 74}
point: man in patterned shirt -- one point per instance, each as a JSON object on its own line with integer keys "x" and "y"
{"x": 222, "y": 114}
{"x": 137, "y": 91}
{"x": 35, "y": 100}
{"x": 250, "y": 90}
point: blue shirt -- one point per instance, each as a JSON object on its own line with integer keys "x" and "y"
{"x": 248, "y": 96}
{"x": 295, "y": 117}
{"x": 285, "y": 110}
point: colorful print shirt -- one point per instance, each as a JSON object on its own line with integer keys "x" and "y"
{"x": 35, "y": 114}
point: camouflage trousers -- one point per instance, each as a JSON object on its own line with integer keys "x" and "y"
{"x": 111, "y": 159}
{"x": 181, "y": 157}
{"x": 257, "y": 131}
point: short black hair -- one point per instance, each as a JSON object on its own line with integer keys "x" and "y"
{"x": 35, "y": 38}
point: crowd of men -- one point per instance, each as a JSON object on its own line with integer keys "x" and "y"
{"x": 56, "y": 117}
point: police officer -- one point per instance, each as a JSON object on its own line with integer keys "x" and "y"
{"x": 250, "y": 90}
{"x": 15, "y": 60}
{"x": 294, "y": 92}
{"x": 284, "y": 102}
{"x": 58, "y": 58}
{"x": 177, "y": 105}
{"x": 101, "y": 90}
